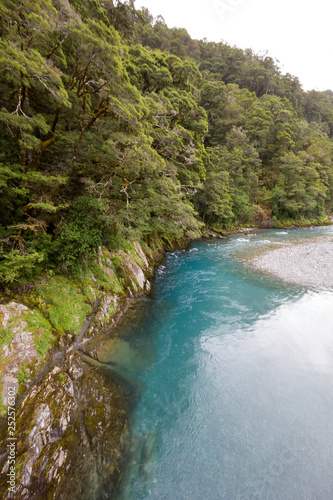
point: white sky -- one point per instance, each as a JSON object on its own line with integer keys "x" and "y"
{"x": 299, "y": 33}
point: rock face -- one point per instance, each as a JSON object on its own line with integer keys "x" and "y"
{"x": 137, "y": 283}
{"x": 20, "y": 349}
{"x": 132, "y": 271}
{"x": 22, "y": 346}
{"x": 72, "y": 435}
{"x": 71, "y": 425}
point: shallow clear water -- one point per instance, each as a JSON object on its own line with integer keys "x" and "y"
{"x": 237, "y": 400}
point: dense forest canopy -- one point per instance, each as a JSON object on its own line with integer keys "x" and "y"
{"x": 114, "y": 126}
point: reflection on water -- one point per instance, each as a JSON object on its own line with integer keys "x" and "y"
{"x": 237, "y": 374}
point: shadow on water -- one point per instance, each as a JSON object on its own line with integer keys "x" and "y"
{"x": 128, "y": 356}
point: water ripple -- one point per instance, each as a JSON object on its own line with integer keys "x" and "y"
{"x": 239, "y": 400}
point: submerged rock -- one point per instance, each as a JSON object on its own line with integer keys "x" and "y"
{"x": 141, "y": 464}
{"x": 149, "y": 458}
{"x": 120, "y": 352}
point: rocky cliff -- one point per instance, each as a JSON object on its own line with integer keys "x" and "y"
{"x": 71, "y": 424}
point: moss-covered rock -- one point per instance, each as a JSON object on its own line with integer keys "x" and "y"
{"x": 26, "y": 337}
{"x": 130, "y": 269}
{"x": 106, "y": 312}
{"x": 66, "y": 303}
{"x": 72, "y": 423}
{"x": 73, "y": 435}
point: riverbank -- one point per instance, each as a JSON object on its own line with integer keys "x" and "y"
{"x": 64, "y": 324}
{"x": 308, "y": 263}
{"x": 71, "y": 418}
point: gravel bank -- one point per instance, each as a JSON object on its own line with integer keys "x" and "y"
{"x": 309, "y": 263}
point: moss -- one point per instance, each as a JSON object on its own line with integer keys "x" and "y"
{"x": 147, "y": 250}
{"x": 154, "y": 245}
{"x": 36, "y": 321}
{"x": 300, "y": 222}
{"x": 3, "y": 408}
{"x": 86, "y": 282}
{"x": 23, "y": 374}
{"x": 128, "y": 283}
{"x": 112, "y": 310}
{"x": 62, "y": 378}
{"x": 129, "y": 248}
{"x": 93, "y": 417}
{"x": 43, "y": 343}
{"x": 42, "y": 330}
{"x": 107, "y": 281}
{"x": 91, "y": 294}
{"x": 67, "y": 309}
{"x": 6, "y": 336}
{"x": 35, "y": 302}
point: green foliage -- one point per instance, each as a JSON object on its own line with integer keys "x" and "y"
{"x": 116, "y": 262}
{"x": 85, "y": 230}
{"x": 299, "y": 190}
{"x": 17, "y": 268}
{"x": 214, "y": 199}
{"x": 114, "y": 127}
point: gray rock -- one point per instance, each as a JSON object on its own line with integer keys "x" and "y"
{"x": 73, "y": 435}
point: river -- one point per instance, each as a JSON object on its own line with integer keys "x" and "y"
{"x": 234, "y": 373}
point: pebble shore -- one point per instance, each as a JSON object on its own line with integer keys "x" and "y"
{"x": 309, "y": 264}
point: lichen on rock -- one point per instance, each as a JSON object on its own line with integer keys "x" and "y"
{"x": 132, "y": 271}
{"x": 72, "y": 430}
{"x": 73, "y": 434}
{"x": 20, "y": 347}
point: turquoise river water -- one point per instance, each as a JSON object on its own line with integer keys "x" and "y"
{"x": 234, "y": 375}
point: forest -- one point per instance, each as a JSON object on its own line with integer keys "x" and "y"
{"x": 115, "y": 127}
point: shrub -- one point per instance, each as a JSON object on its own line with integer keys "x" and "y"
{"x": 85, "y": 231}
{"x": 17, "y": 268}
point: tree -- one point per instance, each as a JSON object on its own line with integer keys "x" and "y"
{"x": 299, "y": 190}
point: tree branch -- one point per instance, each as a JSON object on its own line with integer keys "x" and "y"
{"x": 60, "y": 42}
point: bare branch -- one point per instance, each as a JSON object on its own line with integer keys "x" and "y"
{"x": 60, "y": 42}
{"x": 19, "y": 107}
{"x": 124, "y": 190}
